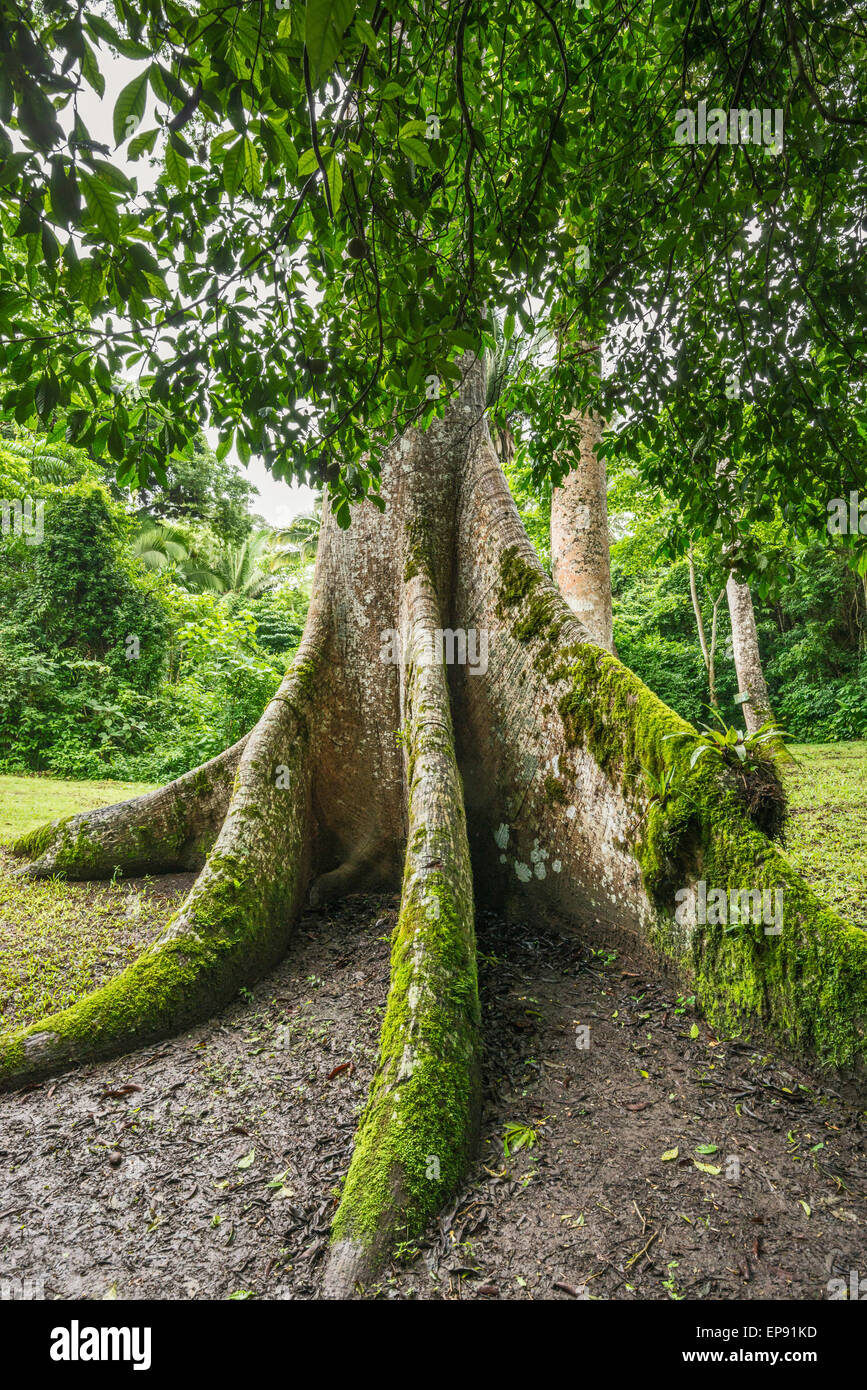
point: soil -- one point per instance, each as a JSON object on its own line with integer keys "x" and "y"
{"x": 209, "y": 1166}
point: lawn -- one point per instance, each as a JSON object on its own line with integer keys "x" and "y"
{"x": 26, "y": 802}
{"x": 60, "y": 940}
{"x": 827, "y": 834}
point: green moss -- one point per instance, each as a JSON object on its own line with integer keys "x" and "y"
{"x": 418, "y": 549}
{"x": 234, "y": 927}
{"x": 807, "y": 986}
{"x": 419, "y": 1125}
{"x": 304, "y": 672}
{"x": 34, "y": 843}
{"x": 555, "y": 791}
{"x": 417, "y": 1130}
{"x": 75, "y": 848}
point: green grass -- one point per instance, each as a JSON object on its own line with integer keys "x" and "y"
{"x": 26, "y": 802}
{"x": 58, "y": 941}
{"x": 827, "y": 833}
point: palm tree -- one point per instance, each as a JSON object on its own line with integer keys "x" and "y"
{"x": 242, "y": 570}
{"x": 250, "y": 568}
{"x": 159, "y": 547}
{"x": 301, "y": 537}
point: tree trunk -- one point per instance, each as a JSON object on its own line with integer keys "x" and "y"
{"x": 524, "y": 765}
{"x": 580, "y": 559}
{"x": 708, "y": 651}
{"x": 748, "y": 661}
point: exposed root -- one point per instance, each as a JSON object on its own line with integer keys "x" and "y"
{"x": 171, "y": 828}
{"x": 233, "y": 925}
{"x": 422, "y": 1114}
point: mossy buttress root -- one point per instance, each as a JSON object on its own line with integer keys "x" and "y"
{"x": 801, "y": 975}
{"x": 234, "y": 924}
{"x": 421, "y": 1119}
{"x": 170, "y": 828}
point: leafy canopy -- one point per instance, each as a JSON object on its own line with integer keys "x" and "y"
{"x": 344, "y": 194}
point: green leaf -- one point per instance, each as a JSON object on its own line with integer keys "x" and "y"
{"x": 307, "y": 165}
{"x": 335, "y": 180}
{"x": 65, "y": 199}
{"x": 252, "y": 169}
{"x": 101, "y": 29}
{"x": 233, "y": 167}
{"x": 37, "y": 118}
{"x": 90, "y": 69}
{"x": 130, "y": 106}
{"x": 325, "y": 21}
{"x": 417, "y": 151}
{"x": 177, "y": 168}
{"x": 101, "y": 206}
{"x": 142, "y": 143}
{"x": 366, "y": 33}
{"x": 50, "y": 247}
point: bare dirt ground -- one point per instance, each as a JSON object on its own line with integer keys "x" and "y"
{"x": 208, "y": 1167}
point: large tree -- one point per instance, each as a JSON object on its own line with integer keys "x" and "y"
{"x": 383, "y": 177}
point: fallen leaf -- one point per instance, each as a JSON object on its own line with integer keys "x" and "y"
{"x": 669, "y": 1154}
{"x": 707, "y": 1168}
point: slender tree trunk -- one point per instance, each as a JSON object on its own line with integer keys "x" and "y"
{"x": 580, "y": 557}
{"x": 501, "y": 754}
{"x": 748, "y": 661}
{"x": 708, "y": 650}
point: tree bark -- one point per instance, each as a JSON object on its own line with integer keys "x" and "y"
{"x": 580, "y": 558}
{"x": 524, "y": 766}
{"x": 748, "y": 661}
